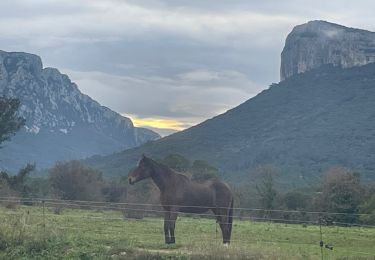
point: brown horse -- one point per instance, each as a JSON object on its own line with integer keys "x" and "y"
{"x": 180, "y": 194}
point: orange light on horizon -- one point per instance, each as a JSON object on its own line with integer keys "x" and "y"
{"x": 157, "y": 123}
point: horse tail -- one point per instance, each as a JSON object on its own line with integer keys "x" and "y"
{"x": 230, "y": 218}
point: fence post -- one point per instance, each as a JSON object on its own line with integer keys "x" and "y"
{"x": 321, "y": 243}
{"x": 216, "y": 231}
{"x": 44, "y": 222}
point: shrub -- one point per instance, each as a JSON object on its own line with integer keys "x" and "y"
{"x": 341, "y": 193}
{"x": 73, "y": 181}
{"x": 368, "y": 209}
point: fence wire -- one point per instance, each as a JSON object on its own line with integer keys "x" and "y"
{"x": 31, "y": 199}
{"x": 150, "y": 208}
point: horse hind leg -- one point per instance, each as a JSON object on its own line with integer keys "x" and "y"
{"x": 224, "y": 224}
{"x": 229, "y": 221}
{"x": 172, "y": 225}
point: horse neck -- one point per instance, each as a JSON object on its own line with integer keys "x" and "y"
{"x": 161, "y": 176}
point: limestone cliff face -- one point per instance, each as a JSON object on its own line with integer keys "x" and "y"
{"x": 315, "y": 43}
{"x": 61, "y": 122}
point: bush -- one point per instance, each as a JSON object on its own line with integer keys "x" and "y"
{"x": 296, "y": 200}
{"x": 73, "y": 181}
{"x": 368, "y": 208}
{"x": 341, "y": 193}
{"x": 16, "y": 185}
{"x": 115, "y": 192}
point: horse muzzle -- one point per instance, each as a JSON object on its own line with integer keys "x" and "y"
{"x": 131, "y": 180}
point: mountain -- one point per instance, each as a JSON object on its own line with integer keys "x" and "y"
{"x": 61, "y": 122}
{"x": 302, "y": 126}
{"x": 316, "y": 43}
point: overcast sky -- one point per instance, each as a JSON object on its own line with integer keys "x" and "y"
{"x": 168, "y": 64}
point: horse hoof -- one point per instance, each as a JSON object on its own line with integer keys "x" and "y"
{"x": 226, "y": 244}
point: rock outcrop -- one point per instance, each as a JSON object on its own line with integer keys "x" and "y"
{"x": 315, "y": 43}
{"x": 61, "y": 122}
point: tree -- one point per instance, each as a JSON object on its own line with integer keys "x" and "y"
{"x": 73, "y": 181}
{"x": 115, "y": 191}
{"x": 202, "y": 170}
{"x": 367, "y": 209}
{"x": 341, "y": 193}
{"x": 176, "y": 162}
{"x": 296, "y": 200}
{"x": 266, "y": 186}
{"x": 17, "y": 183}
{"x": 10, "y": 121}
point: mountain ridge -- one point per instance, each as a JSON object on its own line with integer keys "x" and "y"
{"x": 55, "y": 109}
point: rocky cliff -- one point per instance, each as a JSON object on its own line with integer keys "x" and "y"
{"x": 315, "y": 43}
{"x": 61, "y": 122}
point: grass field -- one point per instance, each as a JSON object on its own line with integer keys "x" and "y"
{"x": 94, "y": 234}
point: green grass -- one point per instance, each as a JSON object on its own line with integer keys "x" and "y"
{"x": 90, "y": 234}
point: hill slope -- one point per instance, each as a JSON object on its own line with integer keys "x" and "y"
{"x": 62, "y": 123}
{"x": 302, "y": 126}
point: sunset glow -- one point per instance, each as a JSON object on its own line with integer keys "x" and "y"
{"x": 157, "y": 123}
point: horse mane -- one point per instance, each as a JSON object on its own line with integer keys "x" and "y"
{"x": 166, "y": 168}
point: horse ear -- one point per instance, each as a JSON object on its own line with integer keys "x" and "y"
{"x": 143, "y": 156}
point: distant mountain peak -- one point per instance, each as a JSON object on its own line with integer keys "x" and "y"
{"x": 55, "y": 109}
{"x": 316, "y": 43}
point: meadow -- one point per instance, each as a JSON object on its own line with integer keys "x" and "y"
{"x": 66, "y": 233}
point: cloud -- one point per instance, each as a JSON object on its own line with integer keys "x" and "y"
{"x": 184, "y": 100}
{"x": 184, "y": 61}
{"x": 99, "y": 20}
{"x": 199, "y": 75}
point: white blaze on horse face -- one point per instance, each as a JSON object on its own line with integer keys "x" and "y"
{"x": 139, "y": 161}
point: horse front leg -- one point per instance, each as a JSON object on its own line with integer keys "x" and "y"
{"x": 166, "y": 227}
{"x": 169, "y": 226}
{"x": 173, "y": 218}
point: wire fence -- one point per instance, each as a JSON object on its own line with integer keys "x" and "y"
{"x": 35, "y": 199}
{"x": 152, "y": 213}
{"x": 154, "y": 210}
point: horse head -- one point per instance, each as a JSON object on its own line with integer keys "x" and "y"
{"x": 143, "y": 171}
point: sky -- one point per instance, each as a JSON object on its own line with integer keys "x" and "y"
{"x": 167, "y": 64}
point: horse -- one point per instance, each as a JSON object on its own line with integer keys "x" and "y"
{"x": 180, "y": 194}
